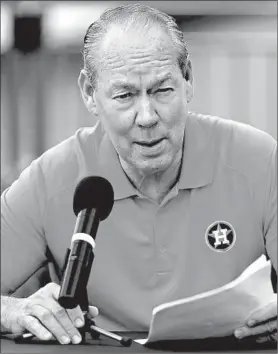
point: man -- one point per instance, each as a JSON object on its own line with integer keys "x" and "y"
{"x": 195, "y": 196}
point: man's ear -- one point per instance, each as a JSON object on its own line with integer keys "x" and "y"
{"x": 188, "y": 76}
{"x": 87, "y": 92}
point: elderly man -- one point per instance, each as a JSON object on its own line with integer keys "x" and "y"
{"x": 180, "y": 181}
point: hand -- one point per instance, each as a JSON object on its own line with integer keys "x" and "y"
{"x": 42, "y": 315}
{"x": 262, "y": 324}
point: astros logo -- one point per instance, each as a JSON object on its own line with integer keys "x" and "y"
{"x": 220, "y": 236}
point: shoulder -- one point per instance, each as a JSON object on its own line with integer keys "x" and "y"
{"x": 63, "y": 165}
{"x": 239, "y": 146}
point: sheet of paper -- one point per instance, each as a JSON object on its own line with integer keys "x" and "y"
{"x": 215, "y": 313}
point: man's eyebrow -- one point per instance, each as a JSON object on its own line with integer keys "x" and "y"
{"x": 125, "y": 85}
{"x": 163, "y": 79}
{"x": 120, "y": 84}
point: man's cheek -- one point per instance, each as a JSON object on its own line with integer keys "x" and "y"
{"x": 124, "y": 146}
{"x": 174, "y": 117}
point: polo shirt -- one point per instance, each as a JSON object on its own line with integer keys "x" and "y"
{"x": 217, "y": 219}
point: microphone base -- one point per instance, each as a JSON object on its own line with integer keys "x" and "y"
{"x": 86, "y": 329}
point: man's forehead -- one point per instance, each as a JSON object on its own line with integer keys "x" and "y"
{"x": 135, "y": 58}
{"x": 117, "y": 39}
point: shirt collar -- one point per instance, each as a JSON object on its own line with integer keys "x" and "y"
{"x": 111, "y": 168}
{"x": 196, "y": 169}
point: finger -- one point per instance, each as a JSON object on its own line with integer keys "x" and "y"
{"x": 69, "y": 318}
{"x": 33, "y": 325}
{"x": 50, "y": 289}
{"x": 93, "y": 311}
{"x": 48, "y": 319}
{"x": 76, "y": 316}
{"x": 246, "y": 331}
{"x": 264, "y": 313}
{"x": 63, "y": 318}
{"x": 54, "y": 289}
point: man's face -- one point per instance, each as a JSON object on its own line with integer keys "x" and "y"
{"x": 141, "y": 98}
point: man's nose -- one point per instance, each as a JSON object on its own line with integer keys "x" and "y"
{"x": 146, "y": 113}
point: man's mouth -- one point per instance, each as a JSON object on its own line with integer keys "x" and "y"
{"x": 150, "y": 143}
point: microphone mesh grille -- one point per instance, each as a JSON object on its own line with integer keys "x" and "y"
{"x": 94, "y": 192}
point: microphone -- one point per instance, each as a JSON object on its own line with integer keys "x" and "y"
{"x": 93, "y": 201}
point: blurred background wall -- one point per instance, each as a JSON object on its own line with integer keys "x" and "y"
{"x": 232, "y": 44}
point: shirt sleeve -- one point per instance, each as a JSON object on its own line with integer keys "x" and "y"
{"x": 270, "y": 214}
{"x": 23, "y": 245}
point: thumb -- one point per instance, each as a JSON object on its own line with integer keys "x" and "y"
{"x": 93, "y": 311}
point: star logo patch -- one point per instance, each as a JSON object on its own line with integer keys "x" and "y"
{"x": 220, "y": 236}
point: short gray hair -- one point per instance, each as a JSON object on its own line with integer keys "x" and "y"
{"x": 130, "y": 15}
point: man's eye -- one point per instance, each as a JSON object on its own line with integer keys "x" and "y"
{"x": 123, "y": 96}
{"x": 164, "y": 90}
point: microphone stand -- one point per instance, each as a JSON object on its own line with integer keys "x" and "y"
{"x": 95, "y": 332}
{"x": 89, "y": 326}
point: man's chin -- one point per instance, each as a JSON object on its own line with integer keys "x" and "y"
{"x": 151, "y": 166}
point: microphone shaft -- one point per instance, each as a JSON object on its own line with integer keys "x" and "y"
{"x": 80, "y": 259}
{"x": 87, "y": 222}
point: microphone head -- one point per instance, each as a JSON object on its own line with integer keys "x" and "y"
{"x": 94, "y": 192}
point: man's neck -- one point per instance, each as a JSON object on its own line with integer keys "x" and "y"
{"x": 157, "y": 185}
